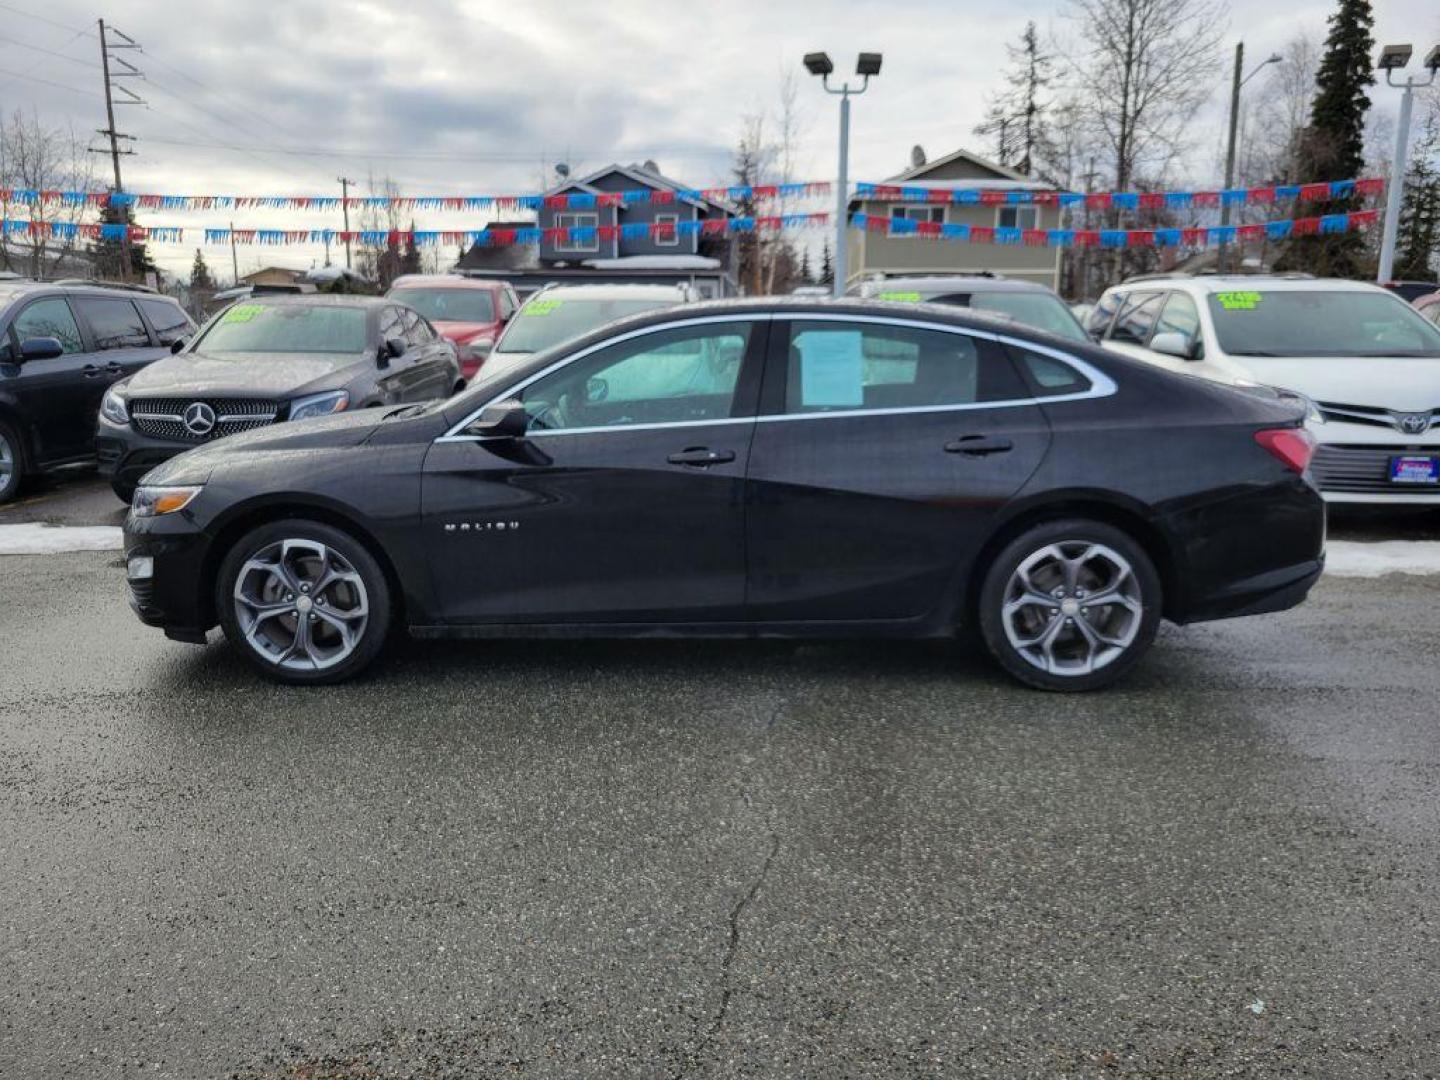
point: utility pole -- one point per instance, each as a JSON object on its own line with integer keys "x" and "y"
{"x": 114, "y": 136}
{"x": 234, "y": 259}
{"x": 345, "y": 210}
{"x": 1236, "y": 83}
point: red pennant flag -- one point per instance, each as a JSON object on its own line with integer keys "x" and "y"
{"x": 1306, "y": 226}
{"x": 1140, "y": 238}
{"x": 1098, "y": 200}
{"x": 1314, "y": 192}
{"x": 1152, "y": 200}
{"x": 982, "y": 234}
{"x": 1260, "y": 195}
{"x": 1036, "y": 237}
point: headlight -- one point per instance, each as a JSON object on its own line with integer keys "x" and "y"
{"x": 112, "y": 407}
{"x": 1313, "y": 415}
{"x": 155, "y": 501}
{"x": 319, "y": 405}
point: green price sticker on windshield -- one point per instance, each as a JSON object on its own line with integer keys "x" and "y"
{"x": 541, "y": 307}
{"x": 1239, "y": 301}
{"x": 243, "y": 313}
{"x": 903, "y": 297}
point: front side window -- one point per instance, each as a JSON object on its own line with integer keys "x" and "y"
{"x": 286, "y": 328}
{"x": 1103, "y": 313}
{"x": 1137, "y": 317}
{"x": 49, "y": 318}
{"x": 1256, "y": 322}
{"x": 416, "y": 332}
{"x": 115, "y": 323}
{"x": 667, "y": 377}
{"x": 843, "y": 367}
{"x": 450, "y": 305}
{"x": 1179, "y": 316}
{"x": 578, "y": 221}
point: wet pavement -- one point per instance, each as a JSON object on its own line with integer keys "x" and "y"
{"x": 702, "y": 859}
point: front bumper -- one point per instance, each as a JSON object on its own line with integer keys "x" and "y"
{"x": 125, "y": 455}
{"x": 165, "y": 569}
{"x": 1352, "y": 466}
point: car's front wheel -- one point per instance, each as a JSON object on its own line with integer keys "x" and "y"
{"x": 304, "y": 602}
{"x": 1070, "y": 605}
{"x": 12, "y": 463}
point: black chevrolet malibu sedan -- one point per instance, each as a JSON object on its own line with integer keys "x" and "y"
{"x": 797, "y": 468}
{"x": 270, "y": 359}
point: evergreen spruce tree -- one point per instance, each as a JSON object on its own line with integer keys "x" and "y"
{"x": 200, "y": 273}
{"x": 410, "y": 257}
{"x": 827, "y": 266}
{"x": 106, "y": 252}
{"x": 1418, "y": 243}
{"x": 1332, "y": 147}
{"x": 806, "y": 274}
{"x": 1016, "y": 118}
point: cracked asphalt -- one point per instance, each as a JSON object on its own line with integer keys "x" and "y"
{"x": 719, "y": 860}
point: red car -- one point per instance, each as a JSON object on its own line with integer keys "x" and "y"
{"x": 471, "y": 312}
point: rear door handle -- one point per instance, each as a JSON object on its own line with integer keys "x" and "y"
{"x": 978, "y": 445}
{"x": 701, "y": 456}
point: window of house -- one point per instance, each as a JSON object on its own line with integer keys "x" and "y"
{"x": 1017, "y": 217}
{"x": 578, "y": 221}
{"x": 667, "y": 230}
{"x": 934, "y": 214}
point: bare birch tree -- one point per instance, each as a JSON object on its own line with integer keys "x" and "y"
{"x": 37, "y": 158}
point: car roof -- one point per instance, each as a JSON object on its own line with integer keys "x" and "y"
{"x": 954, "y": 283}
{"x": 444, "y": 281}
{"x": 314, "y": 300}
{"x": 1213, "y": 283}
{"x": 11, "y": 289}
{"x": 613, "y": 292}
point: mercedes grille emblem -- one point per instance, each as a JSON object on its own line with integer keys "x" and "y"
{"x": 199, "y": 418}
{"x": 1413, "y": 423}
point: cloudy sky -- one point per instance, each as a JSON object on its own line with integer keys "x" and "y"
{"x": 480, "y": 97}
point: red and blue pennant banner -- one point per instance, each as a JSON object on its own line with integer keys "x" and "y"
{"x": 1128, "y": 200}
{"x": 1117, "y": 238}
{"x": 568, "y": 201}
{"x": 489, "y": 237}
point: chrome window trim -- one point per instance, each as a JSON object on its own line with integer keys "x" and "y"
{"x": 1101, "y": 385}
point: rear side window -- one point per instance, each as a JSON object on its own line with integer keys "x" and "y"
{"x": 50, "y": 317}
{"x": 169, "y": 321}
{"x": 115, "y": 323}
{"x": 1050, "y": 377}
{"x": 1137, "y": 317}
{"x": 839, "y": 367}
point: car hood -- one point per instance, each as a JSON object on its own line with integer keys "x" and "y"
{"x": 276, "y": 375}
{"x": 462, "y": 332}
{"x": 1399, "y": 383}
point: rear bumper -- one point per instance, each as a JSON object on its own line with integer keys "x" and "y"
{"x": 1275, "y": 590}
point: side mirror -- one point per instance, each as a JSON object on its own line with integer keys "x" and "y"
{"x": 1173, "y": 344}
{"x": 503, "y": 420}
{"x": 178, "y": 345}
{"x": 40, "y": 348}
{"x": 394, "y": 348}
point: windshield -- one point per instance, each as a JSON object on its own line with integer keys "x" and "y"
{"x": 285, "y": 328}
{"x": 547, "y": 321}
{"x": 1254, "y": 322}
{"x": 450, "y": 305}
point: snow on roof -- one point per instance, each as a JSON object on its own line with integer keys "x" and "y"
{"x": 974, "y": 184}
{"x": 326, "y": 274}
{"x": 655, "y": 262}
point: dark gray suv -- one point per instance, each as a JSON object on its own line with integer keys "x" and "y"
{"x": 62, "y": 345}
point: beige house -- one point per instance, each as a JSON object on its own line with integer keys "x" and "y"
{"x": 872, "y": 253}
{"x": 271, "y": 275}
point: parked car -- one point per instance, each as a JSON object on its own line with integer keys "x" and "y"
{"x": 1023, "y": 302}
{"x": 1410, "y": 291}
{"x": 775, "y": 467}
{"x": 61, "y": 347}
{"x": 557, "y": 313}
{"x": 266, "y": 360}
{"x": 1429, "y": 306}
{"x": 1367, "y": 363}
{"x": 471, "y": 312}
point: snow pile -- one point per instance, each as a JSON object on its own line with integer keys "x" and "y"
{"x": 1347, "y": 558}
{"x": 655, "y": 262}
{"x": 33, "y": 538}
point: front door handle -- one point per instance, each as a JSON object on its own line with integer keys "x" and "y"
{"x": 91, "y": 371}
{"x": 978, "y": 445}
{"x": 701, "y": 456}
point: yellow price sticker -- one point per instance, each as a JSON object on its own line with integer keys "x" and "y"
{"x": 541, "y": 307}
{"x": 1239, "y": 301}
{"x": 903, "y": 297}
{"x": 243, "y": 312}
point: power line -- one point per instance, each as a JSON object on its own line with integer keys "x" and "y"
{"x": 41, "y": 18}
{"x": 50, "y": 52}
{"x": 47, "y": 82}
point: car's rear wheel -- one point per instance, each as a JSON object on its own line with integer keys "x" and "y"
{"x": 304, "y": 602}
{"x": 12, "y": 463}
{"x": 1070, "y": 605}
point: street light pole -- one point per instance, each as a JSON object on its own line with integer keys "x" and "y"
{"x": 867, "y": 65}
{"x": 1236, "y": 83}
{"x": 1392, "y": 59}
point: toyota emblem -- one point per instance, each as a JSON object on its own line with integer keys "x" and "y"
{"x": 199, "y": 418}
{"x": 1413, "y": 423}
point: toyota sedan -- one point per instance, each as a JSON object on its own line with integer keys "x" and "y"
{"x": 770, "y": 467}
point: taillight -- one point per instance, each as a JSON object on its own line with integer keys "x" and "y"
{"x": 1293, "y": 446}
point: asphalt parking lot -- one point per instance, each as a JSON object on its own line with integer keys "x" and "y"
{"x": 700, "y": 859}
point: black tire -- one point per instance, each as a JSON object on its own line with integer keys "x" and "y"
{"x": 123, "y": 491}
{"x": 12, "y": 463}
{"x": 1047, "y": 548}
{"x": 369, "y": 635}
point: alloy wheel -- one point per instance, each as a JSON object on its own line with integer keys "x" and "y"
{"x": 301, "y": 605}
{"x": 8, "y": 463}
{"x": 1072, "y": 607}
